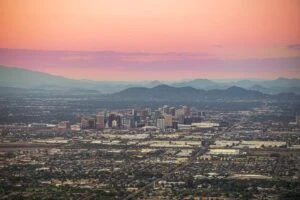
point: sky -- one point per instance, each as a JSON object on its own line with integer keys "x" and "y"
{"x": 152, "y": 40}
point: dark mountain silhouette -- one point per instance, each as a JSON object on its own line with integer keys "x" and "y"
{"x": 22, "y": 78}
{"x": 27, "y": 79}
{"x": 165, "y": 92}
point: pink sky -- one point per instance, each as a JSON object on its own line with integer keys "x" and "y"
{"x": 157, "y": 39}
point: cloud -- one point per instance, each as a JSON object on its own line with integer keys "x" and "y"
{"x": 89, "y": 64}
{"x": 294, "y": 47}
{"x": 91, "y": 59}
{"x": 218, "y": 46}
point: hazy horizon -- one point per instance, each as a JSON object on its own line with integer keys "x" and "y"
{"x": 150, "y": 99}
{"x": 226, "y": 80}
{"x": 88, "y": 65}
{"x": 152, "y": 40}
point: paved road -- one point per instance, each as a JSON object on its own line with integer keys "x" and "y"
{"x": 180, "y": 167}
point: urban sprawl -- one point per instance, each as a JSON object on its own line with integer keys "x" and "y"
{"x": 178, "y": 152}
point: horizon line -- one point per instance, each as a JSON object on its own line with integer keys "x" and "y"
{"x": 148, "y": 80}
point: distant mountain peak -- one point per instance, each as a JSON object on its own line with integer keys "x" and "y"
{"x": 24, "y": 78}
{"x": 236, "y": 88}
{"x": 169, "y": 93}
{"x": 156, "y": 82}
{"x": 162, "y": 86}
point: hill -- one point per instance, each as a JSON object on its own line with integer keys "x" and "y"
{"x": 22, "y": 78}
{"x": 169, "y": 93}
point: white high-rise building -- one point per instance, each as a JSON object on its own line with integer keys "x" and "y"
{"x": 160, "y": 123}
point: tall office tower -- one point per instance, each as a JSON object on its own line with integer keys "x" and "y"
{"x": 84, "y": 123}
{"x": 165, "y": 110}
{"x": 144, "y": 114}
{"x": 175, "y": 125}
{"x": 179, "y": 113}
{"x": 88, "y": 123}
{"x": 118, "y": 121}
{"x": 186, "y": 110}
{"x": 172, "y": 111}
{"x": 128, "y": 122}
{"x": 114, "y": 117}
{"x": 168, "y": 120}
{"x": 160, "y": 124}
{"x": 160, "y": 110}
{"x": 148, "y": 110}
{"x": 92, "y": 123}
{"x": 134, "y": 112}
{"x": 157, "y": 113}
{"x": 110, "y": 119}
{"x": 114, "y": 124}
{"x": 100, "y": 121}
{"x": 180, "y": 119}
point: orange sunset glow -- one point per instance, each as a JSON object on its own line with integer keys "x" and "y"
{"x": 157, "y": 39}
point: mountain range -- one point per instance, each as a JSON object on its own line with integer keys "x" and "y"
{"x": 169, "y": 93}
{"x": 189, "y": 94}
{"x": 276, "y": 86}
{"x": 22, "y": 78}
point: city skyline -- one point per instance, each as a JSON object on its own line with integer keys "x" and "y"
{"x": 152, "y": 40}
{"x": 150, "y": 99}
